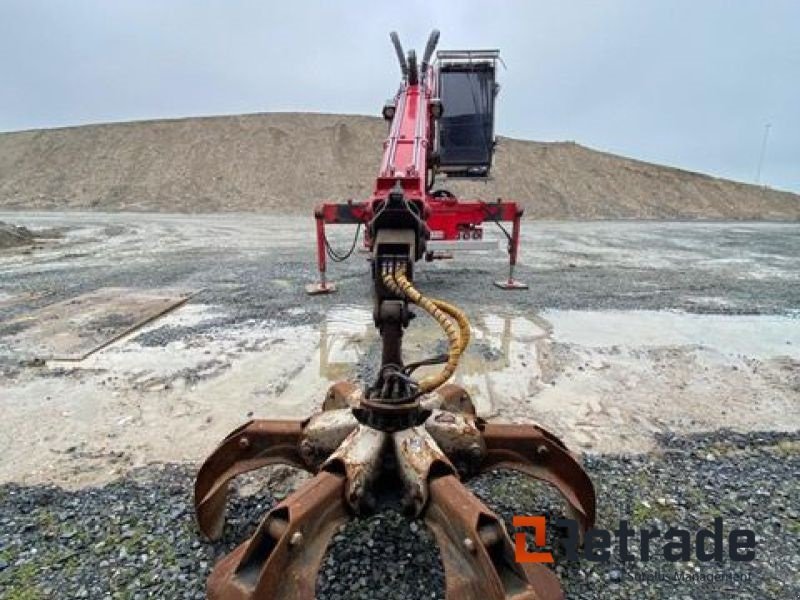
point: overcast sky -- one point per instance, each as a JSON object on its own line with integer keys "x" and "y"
{"x": 685, "y": 83}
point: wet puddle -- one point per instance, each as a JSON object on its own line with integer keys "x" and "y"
{"x": 756, "y": 336}
{"x": 501, "y": 363}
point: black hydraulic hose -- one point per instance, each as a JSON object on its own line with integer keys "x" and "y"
{"x": 496, "y": 221}
{"x": 435, "y": 360}
{"x": 433, "y": 39}
{"x": 401, "y": 57}
{"x": 335, "y": 256}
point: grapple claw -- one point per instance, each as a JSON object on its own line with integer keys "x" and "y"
{"x": 452, "y": 398}
{"x": 254, "y": 445}
{"x": 342, "y": 394}
{"x": 282, "y": 559}
{"x": 476, "y": 551}
{"x": 540, "y": 454}
{"x": 358, "y": 459}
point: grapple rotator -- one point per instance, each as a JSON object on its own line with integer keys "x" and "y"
{"x": 420, "y": 438}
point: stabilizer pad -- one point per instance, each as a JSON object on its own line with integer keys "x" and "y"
{"x": 315, "y": 289}
{"x": 511, "y": 284}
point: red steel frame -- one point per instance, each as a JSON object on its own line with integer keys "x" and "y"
{"x": 406, "y": 160}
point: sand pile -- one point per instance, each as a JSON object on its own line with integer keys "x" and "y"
{"x": 288, "y": 162}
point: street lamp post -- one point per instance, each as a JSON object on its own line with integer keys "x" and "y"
{"x": 763, "y": 151}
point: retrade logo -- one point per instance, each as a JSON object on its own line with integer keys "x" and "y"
{"x": 521, "y": 552}
{"x": 676, "y": 544}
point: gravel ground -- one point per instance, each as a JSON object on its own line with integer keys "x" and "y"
{"x": 135, "y": 538}
{"x": 256, "y": 267}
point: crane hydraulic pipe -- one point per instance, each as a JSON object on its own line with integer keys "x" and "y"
{"x": 429, "y": 48}
{"x": 401, "y": 57}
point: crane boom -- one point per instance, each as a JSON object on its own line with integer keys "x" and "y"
{"x": 440, "y": 123}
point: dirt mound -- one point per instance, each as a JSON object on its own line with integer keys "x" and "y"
{"x": 11, "y": 236}
{"x": 281, "y": 162}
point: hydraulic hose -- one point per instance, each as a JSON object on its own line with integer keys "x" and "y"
{"x": 426, "y": 57}
{"x": 461, "y": 320}
{"x": 450, "y": 309}
{"x": 401, "y": 56}
{"x": 457, "y": 333}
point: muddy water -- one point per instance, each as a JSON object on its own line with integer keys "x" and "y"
{"x": 501, "y": 365}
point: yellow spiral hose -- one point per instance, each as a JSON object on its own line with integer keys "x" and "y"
{"x": 461, "y": 319}
{"x": 441, "y": 311}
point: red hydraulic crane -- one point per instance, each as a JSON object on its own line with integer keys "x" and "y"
{"x": 441, "y": 122}
{"x": 407, "y": 438}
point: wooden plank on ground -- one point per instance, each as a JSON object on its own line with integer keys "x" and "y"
{"x": 75, "y": 328}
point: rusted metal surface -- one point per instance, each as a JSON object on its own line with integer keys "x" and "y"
{"x": 323, "y": 433}
{"x": 359, "y": 459}
{"x": 452, "y": 398}
{"x": 539, "y": 454}
{"x": 254, "y": 445}
{"x": 282, "y": 559}
{"x": 342, "y": 394}
{"x": 418, "y": 458}
{"x": 420, "y": 444}
{"x": 75, "y": 328}
{"x": 458, "y": 436}
{"x": 476, "y": 551}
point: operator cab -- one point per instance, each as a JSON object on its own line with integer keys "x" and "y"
{"x": 465, "y": 134}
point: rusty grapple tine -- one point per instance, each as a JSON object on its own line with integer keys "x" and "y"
{"x": 342, "y": 394}
{"x": 450, "y": 397}
{"x": 282, "y": 559}
{"x": 539, "y": 454}
{"x": 476, "y": 551}
{"x": 256, "y": 444}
